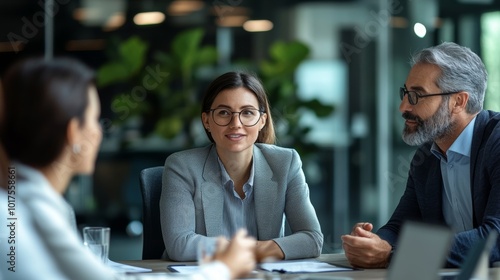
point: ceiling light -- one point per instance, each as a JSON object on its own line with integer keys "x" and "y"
{"x": 97, "y": 12}
{"x": 184, "y": 7}
{"x": 149, "y": 18}
{"x": 114, "y": 22}
{"x": 87, "y": 15}
{"x": 231, "y": 21}
{"x": 420, "y": 30}
{"x": 226, "y": 10}
{"x": 258, "y": 25}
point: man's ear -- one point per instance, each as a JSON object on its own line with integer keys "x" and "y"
{"x": 460, "y": 100}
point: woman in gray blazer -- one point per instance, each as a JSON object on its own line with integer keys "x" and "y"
{"x": 241, "y": 180}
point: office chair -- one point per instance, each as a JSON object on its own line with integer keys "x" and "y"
{"x": 152, "y": 241}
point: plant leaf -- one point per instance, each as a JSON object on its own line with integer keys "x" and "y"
{"x": 207, "y": 55}
{"x": 132, "y": 52}
{"x": 131, "y": 59}
{"x": 169, "y": 127}
{"x": 185, "y": 48}
{"x": 320, "y": 109}
{"x": 110, "y": 73}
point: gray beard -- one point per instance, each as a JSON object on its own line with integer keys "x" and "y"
{"x": 436, "y": 127}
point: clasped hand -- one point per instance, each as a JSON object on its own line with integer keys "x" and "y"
{"x": 365, "y": 249}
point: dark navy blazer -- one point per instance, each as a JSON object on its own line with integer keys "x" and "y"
{"x": 422, "y": 199}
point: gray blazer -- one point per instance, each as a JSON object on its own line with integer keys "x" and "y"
{"x": 191, "y": 202}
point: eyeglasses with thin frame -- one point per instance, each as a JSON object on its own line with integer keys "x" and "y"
{"x": 413, "y": 96}
{"x": 248, "y": 117}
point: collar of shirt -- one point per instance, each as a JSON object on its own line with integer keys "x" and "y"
{"x": 462, "y": 145}
{"x": 35, "y": 186}
{"x": 227, "y": 181}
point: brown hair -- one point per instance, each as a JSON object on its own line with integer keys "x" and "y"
{"x": 232, "y": 80}
{"x": 41, "y": 97}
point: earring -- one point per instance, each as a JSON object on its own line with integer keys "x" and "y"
{"x": 208, "y": 128}
{"x": 76, "y": 149}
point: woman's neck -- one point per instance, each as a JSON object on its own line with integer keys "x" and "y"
{"x": 238, "y": 166}
{"x": 59, "y": 175}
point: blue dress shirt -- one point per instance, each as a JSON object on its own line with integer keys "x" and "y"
{"x": 455, "y": 170}
{"x": 238, "y": 213}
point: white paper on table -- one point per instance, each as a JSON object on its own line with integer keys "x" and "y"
{"x": 181, "y": 268}
{"x": 193, "y": 269}
{"x": 119, "y": 267}
{"x": 301, "y": 266}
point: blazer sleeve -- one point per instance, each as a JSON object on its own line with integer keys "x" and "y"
{"x": 415, "y": 196}
{"x": 306, "y": 240}
{"x": 407, "y": 208}
{"x": 177, "y": 209}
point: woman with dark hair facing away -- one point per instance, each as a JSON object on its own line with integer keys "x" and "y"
{"x": 51, "y": 132}
{"x": 241, "y": 180}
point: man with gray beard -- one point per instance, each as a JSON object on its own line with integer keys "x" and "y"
{"x": 454, "y": 176}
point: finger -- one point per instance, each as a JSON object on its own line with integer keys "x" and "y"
{"x": 346, "y": 239}
{"x": 244, "y": 241}
{"x": 350, "y": 240}
{"x": 240, "y": 233}
{"x": 361, "y": 232}
{"x": 221, "y": 244}
{"x": 367, "y": 226}
{"x": 243, "y": 236}
{"x": 363, "y": 225}
{"x": 356, "y": 226}
{"x": 357, "y": 242}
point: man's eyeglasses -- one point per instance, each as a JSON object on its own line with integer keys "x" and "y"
{"x": 413, "y": 96}
{"x": 248, "y": 117}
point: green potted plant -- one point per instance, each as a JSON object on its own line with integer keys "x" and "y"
{"x": 163, "y": 94}
{"x": 277, "y": 74}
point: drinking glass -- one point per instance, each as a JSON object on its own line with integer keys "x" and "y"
{"x": 96, "y": 239}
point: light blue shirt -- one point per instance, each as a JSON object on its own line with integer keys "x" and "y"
{"x": 238, "y": 213}
{"x": 455, "y": 170}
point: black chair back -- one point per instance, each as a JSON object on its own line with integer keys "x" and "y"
{"x": 152, "y": 242}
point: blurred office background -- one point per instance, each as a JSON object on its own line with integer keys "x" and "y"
{"x": 332, "y": 69}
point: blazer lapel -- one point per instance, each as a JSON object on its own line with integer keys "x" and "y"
{"x": 265, "y": 194}
{"x": 476, "y": 149}
{"x": 212, "y": 195}
{"x": 434, "y": 193}
{"x": 476, "y": 143}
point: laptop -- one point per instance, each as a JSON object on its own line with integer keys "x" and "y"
{"x": 476, "y": 259}
{"x": 422, "y": 251}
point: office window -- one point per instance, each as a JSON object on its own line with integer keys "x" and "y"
{"x": 490, "y": 23}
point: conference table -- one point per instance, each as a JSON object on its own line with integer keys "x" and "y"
{"x": 160, "y": 266}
